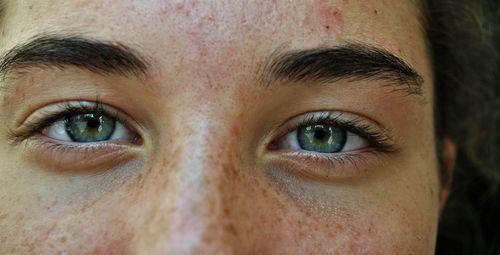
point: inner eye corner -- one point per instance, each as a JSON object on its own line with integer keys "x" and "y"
{"x": 272, "y": 146}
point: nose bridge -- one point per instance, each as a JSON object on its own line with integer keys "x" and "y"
{"x": 193, "y": 202}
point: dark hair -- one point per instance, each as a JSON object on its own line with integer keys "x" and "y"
{"x": 463, "y": 38}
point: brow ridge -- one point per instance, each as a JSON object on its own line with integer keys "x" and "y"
{"x": 352, "y": 61}
{"x": 60, "y": 51}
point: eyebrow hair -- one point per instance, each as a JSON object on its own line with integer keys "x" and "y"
{"x": 323, "y": 65}
{"x": 351, "y": 61}
{"x": 2, "y": 11}
{"x": 45, "y": 51}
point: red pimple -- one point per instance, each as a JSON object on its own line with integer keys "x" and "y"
{"x": 324, "y": 15}
{"x": 329, "y": 15}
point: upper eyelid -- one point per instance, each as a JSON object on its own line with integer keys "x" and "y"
{"x": 54, "y": 108}
{"x": 337, "y": 116}
{"x": 48, "y": 115}
{"x": 42, "y": 118}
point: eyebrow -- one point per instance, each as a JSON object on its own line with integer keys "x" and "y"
{"x": 351, "y": 61}
{"x": 321, "y": 65}
{"x": 48, "y": 51}
{"x": 2, "y": 11}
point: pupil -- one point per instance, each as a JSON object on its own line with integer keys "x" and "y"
{"x": 93, "y": 123}
{"x": 320, "y": 132}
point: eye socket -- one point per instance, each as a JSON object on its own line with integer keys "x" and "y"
{"x": 88, "y": 128}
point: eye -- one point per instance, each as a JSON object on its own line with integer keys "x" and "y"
{"x": 88, "y": 128}
{"x": 331, "y": 133}
{"x": 322, "y": 138}
{"x": 80, "y": 136}
{"x": 328, "y": 146}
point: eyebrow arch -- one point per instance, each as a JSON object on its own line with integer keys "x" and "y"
{"x": 45, "y": 51}
{"x": 2, "y": 10}
{"x": 352, "y": 61}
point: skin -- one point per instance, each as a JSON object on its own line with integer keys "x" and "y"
{"x": 203, "y": 180}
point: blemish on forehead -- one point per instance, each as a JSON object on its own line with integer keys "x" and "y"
{"x": 328, "y": 14}
{"x": 324, "y": 16}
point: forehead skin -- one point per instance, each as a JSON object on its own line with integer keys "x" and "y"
{"x": 202, "y": 199}
{"x": 230, "y": 26}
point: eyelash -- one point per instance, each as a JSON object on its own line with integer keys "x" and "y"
{"x": 31, "y": 128}
{"x": 378, "y": 140}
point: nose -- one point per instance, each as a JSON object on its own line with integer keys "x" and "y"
{"x": 189, "y": 207}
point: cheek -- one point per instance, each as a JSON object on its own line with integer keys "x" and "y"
{"x": 97, "y": 228}
{"x": 278, "y": 226}
{"x": 384, "y": 214}
{"x": 254, "y": 214}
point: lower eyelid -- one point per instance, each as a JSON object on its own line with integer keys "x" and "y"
{"x": 63, "y": 156}
{"x": 325, "y": 167}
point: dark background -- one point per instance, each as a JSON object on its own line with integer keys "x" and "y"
{"x": 476, "y": 230}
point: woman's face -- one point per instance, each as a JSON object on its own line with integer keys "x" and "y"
{"x": 216, "y": 127}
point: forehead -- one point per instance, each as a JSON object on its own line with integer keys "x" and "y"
{"x": 301, "y": 22}
{"x": 212, "y": 34}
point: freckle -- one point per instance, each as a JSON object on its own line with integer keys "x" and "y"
{"x": 19, "y": 218}
{"x": 178, "y": 7}
{"x": 230, "y": 171}
{"x": 62, "y": 239}
{"x": 375, "y": 12}
{"x": 210, "y": 18}
{"x": 279, "y": 219}
{"x": 207, "y": 239}
{"x": 235, "y": 131}
{"x": 264, "y": 193}
{"x": 280, "y": 18}
{"x": 230, "y": 228}
{"x": 307, "y": 21}
{"x": 227, "y": 212}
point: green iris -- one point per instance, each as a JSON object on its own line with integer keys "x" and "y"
{"x": 90, "y": 127}
{"x": 321, "y": 138}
